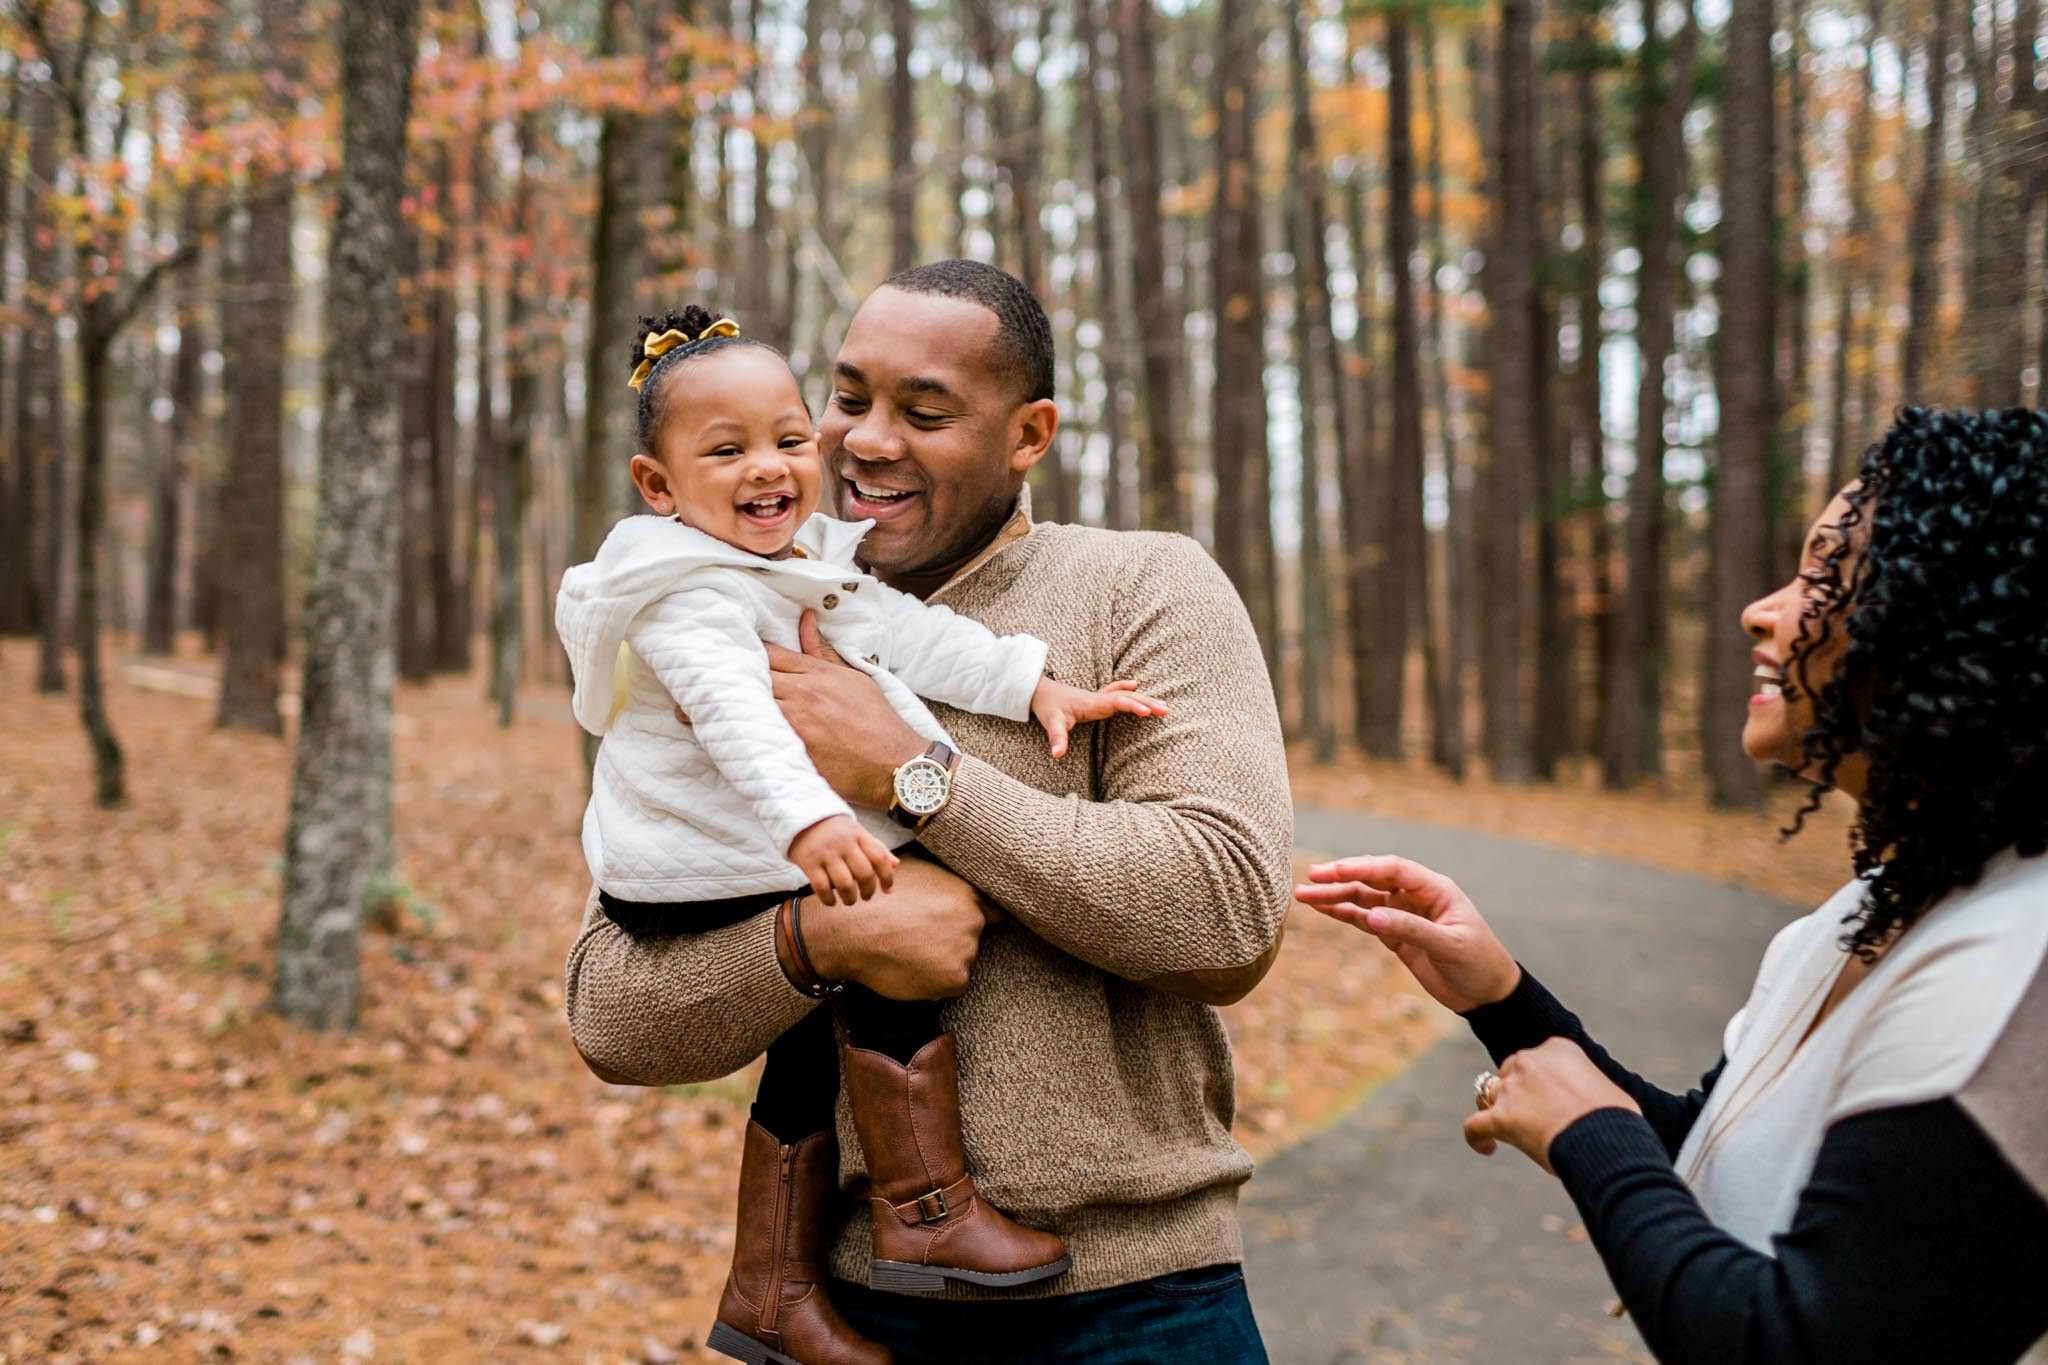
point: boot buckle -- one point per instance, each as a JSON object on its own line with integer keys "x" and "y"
{"x": 931, "y": 1208}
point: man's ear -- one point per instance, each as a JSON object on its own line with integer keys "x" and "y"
{"x": 1035, "y": 426}
{"x": 653, "y": 482}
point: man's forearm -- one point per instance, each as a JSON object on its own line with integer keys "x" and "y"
{"x": 676, "y": 1008}
{"x": 1152, "y": 891}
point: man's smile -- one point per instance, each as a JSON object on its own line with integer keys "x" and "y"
{"x": 866, "y": 497}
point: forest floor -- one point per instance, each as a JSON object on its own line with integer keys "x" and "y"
{"x": 181, "y": 1172}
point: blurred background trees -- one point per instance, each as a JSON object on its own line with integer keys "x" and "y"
{"x": 1498, "y": 352}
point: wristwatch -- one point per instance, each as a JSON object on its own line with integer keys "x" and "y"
{"x": 923, "y": 786}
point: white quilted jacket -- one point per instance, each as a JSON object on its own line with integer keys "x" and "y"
{"x": 708, "y": 810}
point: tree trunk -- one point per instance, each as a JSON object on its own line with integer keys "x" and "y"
{"x": 39, "y": 396}
{"x": 1511, "y": 305}
{"x": 95, "y": 340}
{"x": 338, "y": 839}
{"x": 415, "y": 604}
{"x": 1162, "y": 506}
{"x": 815, "y": 141}
{"x": 602, "y": 488}
{"x": 17, "y": 477}
{"x": 252, "y": 478}
{"x": 902, "y": 140}
{"x": 1589, "y": 443}
{"x": 1357, "y": 473}
{"x": 1632, "y": 741}
{"x": 1788, "y": 494}
{"x": 2008, "y": 160}
{"x": 1852, "y": 273}
{"x": 515, "y": 464}
{"x": 1447, "y": 701}
{"x": 1109, "y": 264}
{"x": 187, "y": 426}
{"x": 451, "y": 628}
{"x": 160, "y": 458}
{"x": 1737, "y": 570}
{"x": 1399, "y": 580}
{"x": 1924, "y": 287}
{"x": 1238, "y": 433}
{"x": 1312, "y": 343}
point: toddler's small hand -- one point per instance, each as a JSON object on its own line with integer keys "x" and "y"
{"x": 1059, "y": 707}
{"x": 844, "y": 862}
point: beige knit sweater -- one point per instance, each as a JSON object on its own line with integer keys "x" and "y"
{"x": 1092, "y": 1104}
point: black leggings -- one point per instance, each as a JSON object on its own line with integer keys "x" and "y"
{"x": 800, "y": 1086}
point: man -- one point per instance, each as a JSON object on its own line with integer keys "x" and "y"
{"x": 1145, "y": 873}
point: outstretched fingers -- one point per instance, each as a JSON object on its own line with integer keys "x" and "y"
{"x": 1123, "y": 696}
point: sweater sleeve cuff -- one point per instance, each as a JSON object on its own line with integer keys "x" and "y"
{"x": 1527, "y": 1016}
{"x": 986, "y": 809}
{"x": 1598, "y": 1147}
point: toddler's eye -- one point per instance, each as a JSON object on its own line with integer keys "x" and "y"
{"x": 792, "y": 442}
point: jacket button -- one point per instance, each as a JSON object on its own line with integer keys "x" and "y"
{"x": 831, "y": 600}
{"x": 849, "y": 587}
{"x": 875, "y": 659}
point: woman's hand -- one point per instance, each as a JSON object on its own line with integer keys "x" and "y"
{"x": 1540, "y": 1092}
{"x": 1424, "y": 918}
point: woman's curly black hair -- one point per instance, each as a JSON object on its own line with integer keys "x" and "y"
{"x": 690, "y": 322}
{"x": 1943, "y": 685}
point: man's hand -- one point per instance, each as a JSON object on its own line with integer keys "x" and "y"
{"x": 856, "y": 739}
{"x": 915, "y": 942}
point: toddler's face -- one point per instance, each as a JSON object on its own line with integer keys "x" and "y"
{"x": 737, "y": 456}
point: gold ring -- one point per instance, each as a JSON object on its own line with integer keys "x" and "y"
{"x": 1485, "y": 1089}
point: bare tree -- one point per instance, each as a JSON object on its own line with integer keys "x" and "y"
{"x": 601, "y": 487}
{"x": 1737, "y": 570}
{"x": 1159, "y": 322}
{"x": 1313, "y": 344}
{"x": 1511, "y": 305}
{"x": 1631, "y": 741}
{"x": 338, "y": 839}
{"x": 38, "y": 410}
{"x": 1109, "y": 263}
{"x": 902, "y": 139}
{"x": 1244, "y": 521}
{"x": 1447, "y": 700}
{"x": 1924, "y": 283}
{"x": 252, "y": 481}
{"x": 1852, "y": 275}
{"x": 1400, "y": 579}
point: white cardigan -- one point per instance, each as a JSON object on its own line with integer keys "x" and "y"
{"x": 1917, "y": 1028}
{"x": 708, "y": 810}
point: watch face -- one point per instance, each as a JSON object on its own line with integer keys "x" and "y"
{"x": 921, "y": 786}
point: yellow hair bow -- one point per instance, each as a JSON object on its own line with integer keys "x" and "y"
{"x": 657, "y": 347}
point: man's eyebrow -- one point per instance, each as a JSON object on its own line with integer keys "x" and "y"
{"x": 846, "y": 371}
{"x": 920, "y": 384}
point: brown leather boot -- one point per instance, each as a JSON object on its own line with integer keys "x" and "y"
{"x": 929, "y": 1224}
{"x": 775, "y": 1310}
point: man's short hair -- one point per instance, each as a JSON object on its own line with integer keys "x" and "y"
{"x": 1023, "y": 332}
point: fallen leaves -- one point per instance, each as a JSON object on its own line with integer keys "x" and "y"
{"x": 181, "y": 1172}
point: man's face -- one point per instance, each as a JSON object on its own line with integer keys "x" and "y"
{"x": 926, "y": 431}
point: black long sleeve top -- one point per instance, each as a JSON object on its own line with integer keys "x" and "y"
{"x": 1913, "y": 1240}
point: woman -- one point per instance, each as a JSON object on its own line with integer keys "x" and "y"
{"x": 1861, "y": 1177}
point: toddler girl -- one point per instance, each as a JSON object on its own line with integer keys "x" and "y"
{"x": 695, "y": 826}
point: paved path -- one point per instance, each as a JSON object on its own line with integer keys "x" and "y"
{"x": 1383, "y": 1239}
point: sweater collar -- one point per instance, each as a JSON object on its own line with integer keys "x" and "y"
{"x": 1015, "y": 529}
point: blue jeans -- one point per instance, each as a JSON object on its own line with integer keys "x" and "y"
{"x": 1194, "y": 1317}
